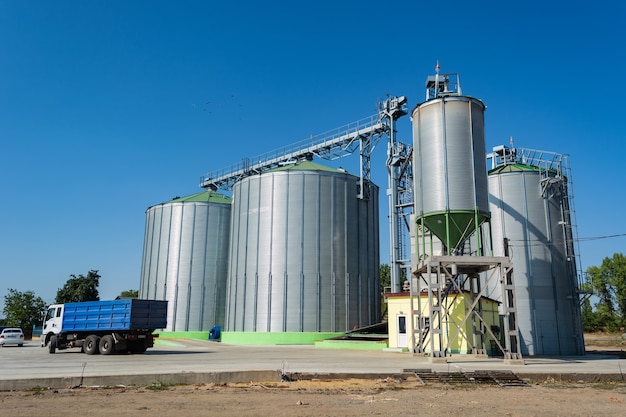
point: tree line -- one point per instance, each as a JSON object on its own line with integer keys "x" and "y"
{"x": 607, "y": 286}
{"x": 24, "y": 309}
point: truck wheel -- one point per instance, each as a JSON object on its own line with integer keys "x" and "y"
{"x": 52, "y": 344}
{"x": 107, "y": 345}
{"x": 91, "y": 344}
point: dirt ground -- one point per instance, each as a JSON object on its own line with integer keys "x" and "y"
{"x": 326, "y": 398}
{"x": 319, "y": 398}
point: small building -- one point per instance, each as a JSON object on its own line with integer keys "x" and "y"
{"x": 457, "y": 331}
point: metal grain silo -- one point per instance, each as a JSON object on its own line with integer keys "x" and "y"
{"x": 532, "y": 225}
{"x": 185, "y": 259}
{"x": 451, "y": 197}
{"x": 304, "y": 253}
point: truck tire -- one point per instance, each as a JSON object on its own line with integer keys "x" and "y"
{"x": 107, "y": 345}
{"x": 91, "y": 344}
{"x": 52, "y": 344}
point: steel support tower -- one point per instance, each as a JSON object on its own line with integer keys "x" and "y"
{"x": 446, "y": 278}
{"x": 400, "y": 196}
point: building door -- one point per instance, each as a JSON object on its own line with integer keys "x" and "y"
{"x": 403, "y": 340}
{"x": 549, "y": 339}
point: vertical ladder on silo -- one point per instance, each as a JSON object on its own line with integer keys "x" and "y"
{"x": 512, "y": 345}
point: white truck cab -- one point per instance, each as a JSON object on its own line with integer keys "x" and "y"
{"x": 52, "y": 322}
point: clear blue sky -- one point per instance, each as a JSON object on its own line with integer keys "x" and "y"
{"x": 109, "y": 107}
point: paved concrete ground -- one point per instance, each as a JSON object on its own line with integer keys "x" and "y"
{"x": 193, "y": 361}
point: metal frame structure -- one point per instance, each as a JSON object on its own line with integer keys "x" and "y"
{"x": 467, "y": 277}
{"x": 400, "y": 198}
{"x": 440, "y": 85}
{"x": 362, "y": 135}
{"x": 400, "y": 193}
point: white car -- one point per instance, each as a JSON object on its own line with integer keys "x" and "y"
{"x": 12, "y": 336}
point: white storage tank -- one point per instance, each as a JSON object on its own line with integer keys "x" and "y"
{"x": 451, "y": 197}
{"x": 304, "y": 253}
{"x": 532, "y": 225}
{"x": 185, "y": 259}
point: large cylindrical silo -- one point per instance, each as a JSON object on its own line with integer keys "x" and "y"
{"x": 532, "y": 226}
{"x": 185, "y": 259}
{"x": 304, "y": 253}
{"x": 451, "y": 197}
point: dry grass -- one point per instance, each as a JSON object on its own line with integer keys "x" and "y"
{"x": 606, "y": 342}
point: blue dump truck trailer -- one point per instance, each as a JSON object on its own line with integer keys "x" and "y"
{"x": 106, "y": 327}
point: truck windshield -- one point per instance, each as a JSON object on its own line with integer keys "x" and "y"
{"x": 50, "y": 314}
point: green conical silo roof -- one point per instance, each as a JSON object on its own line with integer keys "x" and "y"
{"x": 201, "y": 197}
{"x": 505, "y": 169}
{"x": 306, "y": 166}
{"x": 513, "y": 168}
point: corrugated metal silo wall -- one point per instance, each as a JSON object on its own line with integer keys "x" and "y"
{"x": 548, "y": 311}
{"x": 368, "y": 280}
{"x": 304, "y": 254}
{"x": 449, "y": 140}
{"x": 185, "y": 261}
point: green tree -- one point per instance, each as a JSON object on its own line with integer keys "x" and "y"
{"x": 385, "y": 285}
{"x": 385, "y": 282}
{"x": 590, "y": 318}
{"x": 385, "y": 277}
{"x": 608, "y": 284}
{"x": 80, "y": 288}
{"x": 587, "y": 315}
{"x": 129, "y": 294}
{"x": 23, "y": 309}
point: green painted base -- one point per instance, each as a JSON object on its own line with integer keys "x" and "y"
{"x": 267, "y": 338}
{"x": 184, "y": 335}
